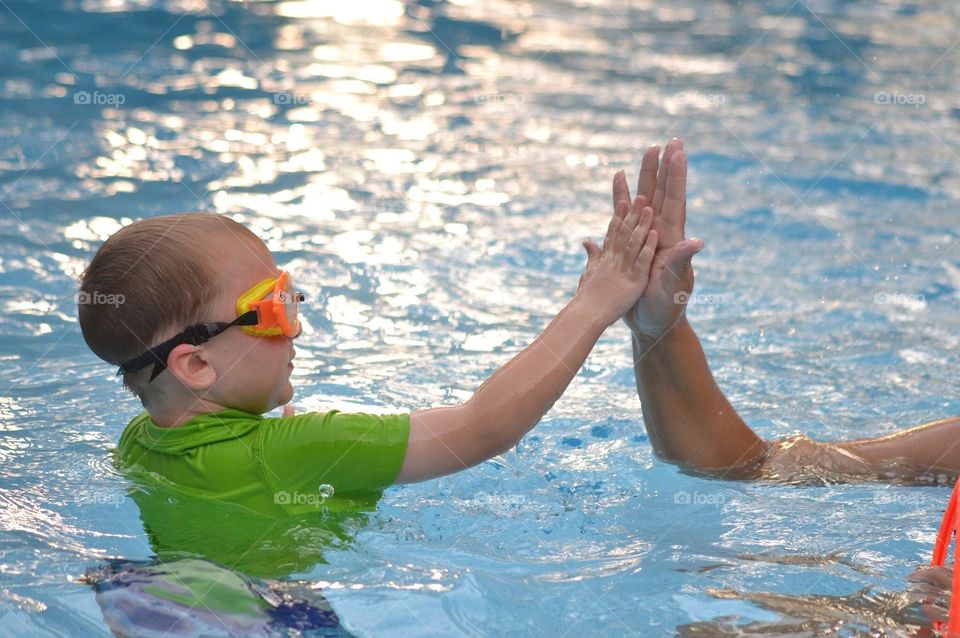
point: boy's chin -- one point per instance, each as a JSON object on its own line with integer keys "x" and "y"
{"x": 287, "y": 395}
{"x": 282, "y": 398}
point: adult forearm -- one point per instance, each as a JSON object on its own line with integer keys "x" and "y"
{"x": 517, "y": 395}
{"x": 690, "y": 421}
{"x": 933, "y": 447}
{"x": 688, "y": 418}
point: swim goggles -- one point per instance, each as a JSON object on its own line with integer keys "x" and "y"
{"x": 269, "y": 309}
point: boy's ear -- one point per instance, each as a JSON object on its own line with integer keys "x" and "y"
{"x": 189, "y": 365}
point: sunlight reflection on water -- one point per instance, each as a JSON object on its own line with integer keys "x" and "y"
{"x": 429, "y": 171}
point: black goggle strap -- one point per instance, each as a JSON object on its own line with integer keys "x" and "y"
{"x": 194, "y": 335}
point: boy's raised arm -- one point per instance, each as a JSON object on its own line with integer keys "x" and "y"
{"x": 509, "y": 403}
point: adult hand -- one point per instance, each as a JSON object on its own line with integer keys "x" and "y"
{"x": 671, "y": 277}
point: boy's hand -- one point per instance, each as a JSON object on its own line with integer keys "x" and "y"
{"x": 519, "y": 393}
{"x": 617, "y": 275}
{"x": 671, "y": 277}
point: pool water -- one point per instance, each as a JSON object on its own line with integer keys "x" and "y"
{"x": 429, "y": 170}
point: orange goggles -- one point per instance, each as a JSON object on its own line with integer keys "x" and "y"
{"x": 269, "y": 309}
{"x": 274, "y": 304}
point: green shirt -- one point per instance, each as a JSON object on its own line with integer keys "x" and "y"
{"x": 317, "y": 461}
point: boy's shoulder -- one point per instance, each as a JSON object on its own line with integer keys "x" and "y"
{"x": 232, "y": 425}
{"x": 203, "y": 429}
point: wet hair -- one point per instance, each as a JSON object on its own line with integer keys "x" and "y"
{"x": 153, "y": 276}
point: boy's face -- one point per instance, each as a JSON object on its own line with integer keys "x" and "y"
{"x": 253, "y": 373}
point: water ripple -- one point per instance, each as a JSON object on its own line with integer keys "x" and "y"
{"x": 429, "y": 170}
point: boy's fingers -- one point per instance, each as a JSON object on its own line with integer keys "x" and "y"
{"x": 288, "y": 410}
{"x": 638, "y": 236}
{"x": 626, "y": 230}
{"x": 639, "y": 203}
{"x": 615, "y": 220}
{"x": 673, "y": 146}
{"x": 621, "y": 192}
{"x": 647, "y": 182}
{"x": 645, "y": 258}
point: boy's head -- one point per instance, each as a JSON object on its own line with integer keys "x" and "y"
{"x": 165, "y": 274}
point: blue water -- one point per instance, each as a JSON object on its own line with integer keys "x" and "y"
{"x": 429, "y": 171}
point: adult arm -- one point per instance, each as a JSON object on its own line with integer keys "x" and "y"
{"x": 687, "y": 416}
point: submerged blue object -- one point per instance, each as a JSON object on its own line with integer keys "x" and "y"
{"x": 190, "y": 598}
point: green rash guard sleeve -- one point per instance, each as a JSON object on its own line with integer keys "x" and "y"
{"x": 331, "y": 458}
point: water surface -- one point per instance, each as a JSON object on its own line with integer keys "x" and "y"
{"x": 429, "y": 171}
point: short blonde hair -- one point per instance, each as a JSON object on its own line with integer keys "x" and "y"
{"x": 149, "y": 277}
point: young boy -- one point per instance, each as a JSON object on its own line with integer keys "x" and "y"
{"x": 690, "y": 421}
{"x": 204, "y": 337}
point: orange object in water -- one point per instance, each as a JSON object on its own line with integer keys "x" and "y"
{"x": 948, "y": 529}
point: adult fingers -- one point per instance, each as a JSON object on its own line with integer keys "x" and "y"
{"x": 674, "y": 208}
{"x": 677, "y": 260}
{"x": 647, "y": 182}
{"x": 673, "y": 146}
{"x": 941, "y": 577}
{"x": 593, "y": 251}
